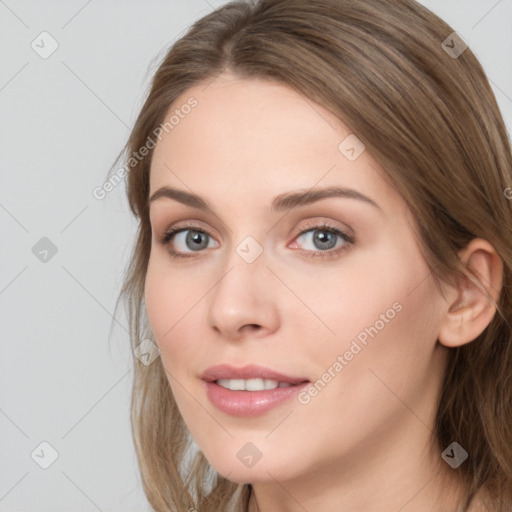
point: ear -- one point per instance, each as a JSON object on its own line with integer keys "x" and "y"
{"x": 471, "y": 306}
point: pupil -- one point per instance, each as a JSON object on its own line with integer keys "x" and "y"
{"x": 324, "y": 237}
{"x": 195, "y": 237}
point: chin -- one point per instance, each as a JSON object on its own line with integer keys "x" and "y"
{"x": 261, "y": 471}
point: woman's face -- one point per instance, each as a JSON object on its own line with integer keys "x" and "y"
{"x": 329, "y": 291}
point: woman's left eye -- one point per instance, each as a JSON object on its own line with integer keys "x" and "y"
{"x": 324, "y": 241}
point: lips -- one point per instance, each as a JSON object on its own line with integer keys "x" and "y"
{"x": 243, "y": 402}
{"x": 225, "y": 371}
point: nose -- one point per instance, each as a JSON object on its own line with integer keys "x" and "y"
{"x": 243, "y": 302}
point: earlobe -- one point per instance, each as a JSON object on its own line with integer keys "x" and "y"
{"x": 472, "y": 306}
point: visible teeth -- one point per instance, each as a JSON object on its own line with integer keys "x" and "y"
{"x": 258, "y": 384}
{"x": 251, "y": 384}
{"x": 233, "y": 384}
{"x": 270, "y": 384}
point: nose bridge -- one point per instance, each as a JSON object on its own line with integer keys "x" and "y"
{"x": 246, "y": 257}
{"x": 241, "y": 296}
{"x": 244, "y": 272}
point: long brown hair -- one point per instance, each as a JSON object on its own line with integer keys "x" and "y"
{"x": 388, "y": 70}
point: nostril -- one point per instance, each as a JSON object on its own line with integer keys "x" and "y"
{"x": 251, "y": 327}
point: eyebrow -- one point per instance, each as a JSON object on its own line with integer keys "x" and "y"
{"x": 282, "y": 202}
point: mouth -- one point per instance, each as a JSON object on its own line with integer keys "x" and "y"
{"x": 249, "y": 378}
{"x": 249, "y": 391}
{"x": 252, "y": 384}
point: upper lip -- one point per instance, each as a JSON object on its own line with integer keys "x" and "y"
{"x": 252, "y": 371}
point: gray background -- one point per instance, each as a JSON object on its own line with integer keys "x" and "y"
{"x": 63, "y": 121}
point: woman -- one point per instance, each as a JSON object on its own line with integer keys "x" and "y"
{"x": 324, "y": 262}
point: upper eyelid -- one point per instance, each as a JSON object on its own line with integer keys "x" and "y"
{"x": 187, "y": 224}
{"x": 347, "y": 233}
{"x": 196, "y": 225}
{"x": 194, "y": 222}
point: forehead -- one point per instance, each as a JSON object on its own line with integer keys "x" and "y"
{"x": 258, "y": 138}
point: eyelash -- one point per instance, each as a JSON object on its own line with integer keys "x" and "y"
{"x": 331, "y": 253}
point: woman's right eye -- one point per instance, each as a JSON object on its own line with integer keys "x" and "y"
{"x": 183, "y": 242}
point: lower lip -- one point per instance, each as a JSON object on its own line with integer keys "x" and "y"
{"x": 249, "y": 403}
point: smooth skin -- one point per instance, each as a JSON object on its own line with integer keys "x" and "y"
{"x": 361, "y": 444}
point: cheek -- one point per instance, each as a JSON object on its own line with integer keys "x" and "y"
{"x": 386, "y": 360}
{"x": 165, "y": 304}
{"x": 168, "y": 294}
{"x": 172, "y": 300}
{"x": 379, "y": 309}
{"x": 386, "y": 326}
{"x": 338, "y": 304}
{"x": 160, "y": 300}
